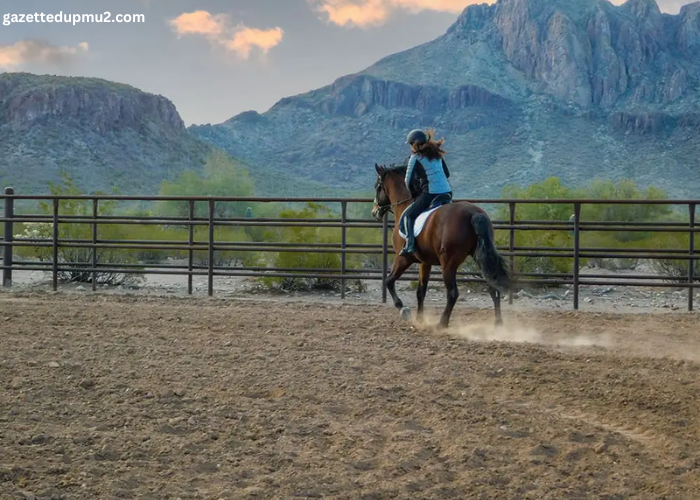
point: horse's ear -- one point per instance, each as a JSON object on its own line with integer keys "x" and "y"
{"x": 380, "y": 170}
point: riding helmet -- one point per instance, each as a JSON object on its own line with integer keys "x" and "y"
{"x": 416, "y": 135}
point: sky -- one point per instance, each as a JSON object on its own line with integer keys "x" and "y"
{"x": 217, "y": 58}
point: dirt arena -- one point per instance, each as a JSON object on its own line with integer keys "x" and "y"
{"x": 153, "y": 398}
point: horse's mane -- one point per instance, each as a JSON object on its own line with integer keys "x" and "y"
{"x": 398, "y": 168}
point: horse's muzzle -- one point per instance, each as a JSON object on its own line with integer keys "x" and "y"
{"x": 378, "y": 213}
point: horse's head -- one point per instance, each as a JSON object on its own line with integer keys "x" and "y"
{"x": 382, "y": 203}
{"x": 390, "y": 182}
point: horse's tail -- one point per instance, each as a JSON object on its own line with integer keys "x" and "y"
{"x": 493, "y": 266}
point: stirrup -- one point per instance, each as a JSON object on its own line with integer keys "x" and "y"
{"x": 405, "y": 250}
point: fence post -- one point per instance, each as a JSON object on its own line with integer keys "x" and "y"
{"x": 54, "y": 265}
{"x": 385, "y": 255}
{"x": 94, "y": 242}
{"x": 691, "y": 267}
{"x": 577, "y": 248}
{"x": 343, "y": 257}
{"x": 511, "y": 207}
{"x": 190, "y": 241}
{"x": 8, "y": 237}
{"x": 211, "y": 248}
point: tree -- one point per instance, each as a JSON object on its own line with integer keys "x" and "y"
{"x": 221, "y": 176}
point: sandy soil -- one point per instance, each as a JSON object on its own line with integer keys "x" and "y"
{"x": 593, "y": 298}
{"x": 117, "y": 396}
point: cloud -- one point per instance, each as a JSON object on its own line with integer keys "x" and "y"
{"x": 218, "y": 30}
{"x": 366, "y": 13}
{"x": 247, "y": 38}
{"x": 37, "y": 51}
{"x": 199, "y": 22}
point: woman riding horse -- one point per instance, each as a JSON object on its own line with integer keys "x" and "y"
{"x": 454, "y": 232}
{"x": 428, "y": 170}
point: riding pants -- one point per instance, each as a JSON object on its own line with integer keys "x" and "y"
{"x": 420, "y": 204}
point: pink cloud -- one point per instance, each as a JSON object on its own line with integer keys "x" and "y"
{"x": 239, "y": 39}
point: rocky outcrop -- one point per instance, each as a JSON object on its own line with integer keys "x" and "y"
{"x": 358, "y": 95}
{"x": 105, "y": 134}
{"x": 595, "y": 54}
{"x": 688, "y": 29}
{"x": 103, "y": 106}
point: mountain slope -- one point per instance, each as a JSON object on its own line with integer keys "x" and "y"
{"x": 104, "y": 134}
{"x": 521, "y": 90}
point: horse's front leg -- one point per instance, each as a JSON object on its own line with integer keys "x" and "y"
{"x": 401, "y": 263}
{"x": 423, "y": 278}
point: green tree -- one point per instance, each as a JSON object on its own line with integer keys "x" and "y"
{"x": 221, "y": 176}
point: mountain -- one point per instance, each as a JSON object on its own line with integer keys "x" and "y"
{"x": 103, "y": 133}
{"x": 106, "y": 135}
{"x": 521, "y": 90}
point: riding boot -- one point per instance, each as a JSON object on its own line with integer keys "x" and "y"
{"x": 410, "y": 245}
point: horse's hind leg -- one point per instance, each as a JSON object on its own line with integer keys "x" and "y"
{"x": 401, "y": 263}
{"x": 449, "y": 276}
{"x": 423, "y": 278}
{"x": 496, "y": 297}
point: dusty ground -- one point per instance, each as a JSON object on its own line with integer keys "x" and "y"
{"x": 139, "y": 397}
{"x": 596, "y": 298}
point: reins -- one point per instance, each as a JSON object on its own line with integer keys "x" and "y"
{"x": 390, "y": 207}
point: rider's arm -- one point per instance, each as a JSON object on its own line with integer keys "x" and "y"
{"x": 444, "y": 168}
{"x": 411, "y": 168}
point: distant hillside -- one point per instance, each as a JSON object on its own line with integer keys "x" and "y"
{"x": 104, "y": 134}
{"x": 521, "y": 89}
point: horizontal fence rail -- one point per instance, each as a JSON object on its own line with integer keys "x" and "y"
{"x": 56, "y": 235}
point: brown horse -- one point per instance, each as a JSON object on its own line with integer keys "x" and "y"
{"x": 451, "y": 234}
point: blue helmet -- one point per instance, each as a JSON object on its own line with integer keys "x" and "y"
{"x": 416, "y": 135}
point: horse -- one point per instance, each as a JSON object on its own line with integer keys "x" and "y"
{"x": 453, "y": 232}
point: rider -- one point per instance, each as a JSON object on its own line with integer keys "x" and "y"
{"x": 428, "y": 167}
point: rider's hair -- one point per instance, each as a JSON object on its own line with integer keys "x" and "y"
{"x": 431, "y": 149}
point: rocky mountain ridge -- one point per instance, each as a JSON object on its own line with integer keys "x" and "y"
{"x": 104, "y": 134}
{"x": 103, "y": 106}
{"x": 521, "y": 89}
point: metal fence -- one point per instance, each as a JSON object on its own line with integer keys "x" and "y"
{"x": 575, "y": 226}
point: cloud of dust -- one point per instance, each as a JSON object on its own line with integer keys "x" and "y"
{"x": 518, "y": 334}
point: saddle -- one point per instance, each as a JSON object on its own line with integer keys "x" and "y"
{"x": 440, "y": 200}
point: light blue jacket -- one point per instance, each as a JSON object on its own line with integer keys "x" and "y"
{"x": 434, "y": 171}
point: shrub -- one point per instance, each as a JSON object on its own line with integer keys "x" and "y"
{"x": 675, "y": 270}
{"x": 224, "y": 257}
{"x": 72, "y": 258}
{"x": 552, "y": 188}
{"x": 302, "y": 260}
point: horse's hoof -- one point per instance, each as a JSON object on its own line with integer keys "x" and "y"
{"x": 405, "y": 313}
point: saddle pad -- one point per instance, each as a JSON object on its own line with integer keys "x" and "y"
{"x": 420, "y": 222}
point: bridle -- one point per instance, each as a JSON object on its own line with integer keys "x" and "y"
{"x": 383, "y": 209}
